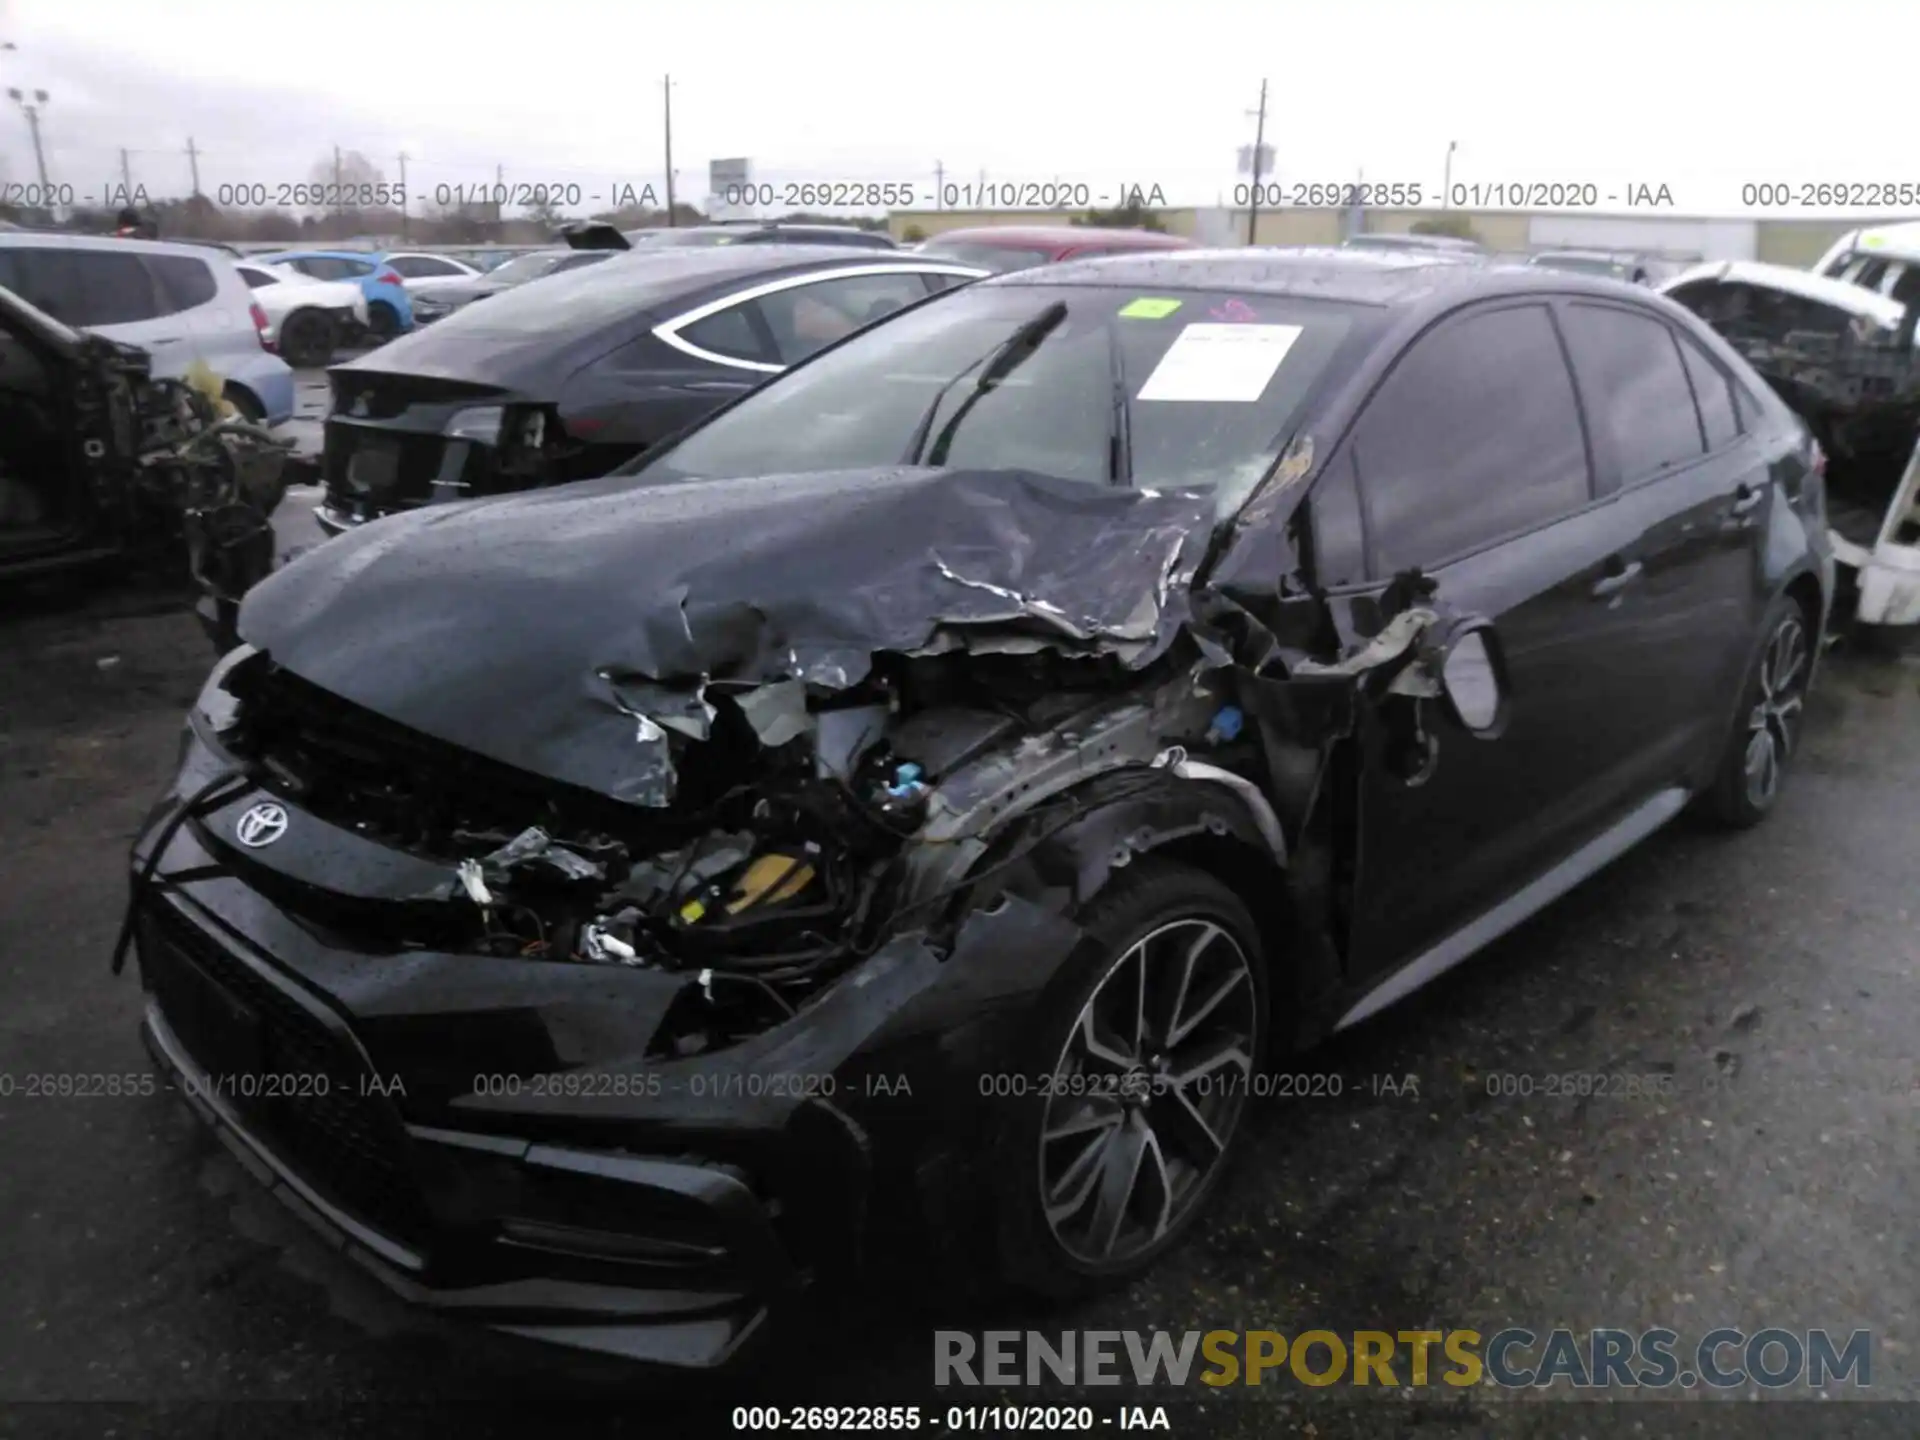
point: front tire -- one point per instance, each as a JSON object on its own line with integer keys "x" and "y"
{"x": 1766, "y": 732}
{"x": 1136, "y": 1072}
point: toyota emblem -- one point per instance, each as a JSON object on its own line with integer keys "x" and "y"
{"x": 261, "y": 825}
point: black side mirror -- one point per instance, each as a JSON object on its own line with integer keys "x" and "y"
{"x": 1473, "y": 678}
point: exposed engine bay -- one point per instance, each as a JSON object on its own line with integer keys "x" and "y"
{"x": 797, "y": 841}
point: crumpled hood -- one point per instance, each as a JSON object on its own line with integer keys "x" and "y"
{"x": 539, "y": 628}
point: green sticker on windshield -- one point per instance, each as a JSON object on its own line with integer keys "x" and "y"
{"x": 1148, "y": 308}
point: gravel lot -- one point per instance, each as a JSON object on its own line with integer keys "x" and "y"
{"x": 1772, "y": 975}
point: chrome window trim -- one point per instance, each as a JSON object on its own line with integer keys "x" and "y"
{"x": 668, "y": 332}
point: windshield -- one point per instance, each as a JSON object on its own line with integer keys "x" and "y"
{"x": 527, "y": 267}
{"x": 999, "y": 258}
{"x": 1167, "y": 389}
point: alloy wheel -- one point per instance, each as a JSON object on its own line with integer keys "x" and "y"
{"x": 1147, "y": 1091}
{"x": 1773, "y": 725}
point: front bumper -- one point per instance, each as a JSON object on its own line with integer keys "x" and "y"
{"x": 531, "y": 1239}
{"x": 656, "y": 1209}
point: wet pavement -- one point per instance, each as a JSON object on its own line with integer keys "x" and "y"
{"x": 1461, "y": 1176}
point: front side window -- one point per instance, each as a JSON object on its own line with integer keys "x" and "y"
{"x": 1474, "y": 435}
{"x": 1076, "y": 382}
{"x": 1636, "y": 388}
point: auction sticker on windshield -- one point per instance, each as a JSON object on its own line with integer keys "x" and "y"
{"x": 1148, "y": 307}
{"x": 1230, "y": 363}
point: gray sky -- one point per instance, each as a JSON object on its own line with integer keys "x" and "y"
{"x": 1701, "y": 97}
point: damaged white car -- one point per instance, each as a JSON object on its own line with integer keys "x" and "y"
{"x": 1839, "y": 347}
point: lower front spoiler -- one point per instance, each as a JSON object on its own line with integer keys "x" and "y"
{"x": 679, "y": 1329}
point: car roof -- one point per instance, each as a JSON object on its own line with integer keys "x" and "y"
{"x": 1383, "y": 278}
{"x": 1899, "y": 241}
{"x": 1618, "y": 257}
{"x": 66, "y": 240}
{"x": 1383, "y": 239}
{"x": 370, "y": 256}
{"x": 1822, "y": 289}
{"x": 1057, "y": 236}
{"x": 648, "y": 279}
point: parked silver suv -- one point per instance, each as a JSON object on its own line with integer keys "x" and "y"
{"x": 179, "y": 303}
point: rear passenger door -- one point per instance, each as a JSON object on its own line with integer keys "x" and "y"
{"x": 217, "y": 324}
{"x": 1667, "y": 449}
{"x": 1471, "y": 462}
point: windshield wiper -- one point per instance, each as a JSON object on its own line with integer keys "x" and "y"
{"x": 999, "y": 363}
{"x": 1120, "y": 421}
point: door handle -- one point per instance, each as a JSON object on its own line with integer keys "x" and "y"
{"x": 165, "y": 340}
{"x": 1617, "y": 580}
{"x": 1746, "y": 498}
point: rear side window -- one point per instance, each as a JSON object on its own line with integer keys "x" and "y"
{"x": 1713, "y": 393}
{"x": 184, "y": 283}
{"x": 936, "y": 282}
{"x": 257, "y": 278}
{"x": 1474, "y": 435}
{"x": 1636, "y": 388}
{"x": 82, "y": 287}
{"x": 416, "y": 267}
{"x": 806, "y": 318}
{"x": 732, "y": 332}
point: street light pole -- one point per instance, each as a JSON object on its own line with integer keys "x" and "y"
{"x": 32, "y": 110}
{"x": 1446, "y": 185}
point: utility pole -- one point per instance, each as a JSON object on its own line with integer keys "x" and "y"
{"x": 1259, "y": 141}
{"x": 1446, "y": 185}
{"x": 499, "y": 199}
{"x": 193, "y": 161}
{"x": 126, "y": 176}
{"x": 405, "y": 234}
{"x": 666, "y": 90}
{"x": 939, "y": 185}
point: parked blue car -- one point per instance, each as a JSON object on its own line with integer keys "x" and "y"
{"x": 389, "y": 312}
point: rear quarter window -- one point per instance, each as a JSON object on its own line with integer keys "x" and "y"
{"x": 184, "y": 283}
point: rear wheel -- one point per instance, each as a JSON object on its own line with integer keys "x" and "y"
{"x": 1766, "y": 732}
{"x": 383, "y": 320}
{"x": 307, "y": 339}
{"x": 243, "y": 401}
{"x": 1136, "y": 1078}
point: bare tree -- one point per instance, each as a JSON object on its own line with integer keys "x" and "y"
{"x": 355, "y": 169}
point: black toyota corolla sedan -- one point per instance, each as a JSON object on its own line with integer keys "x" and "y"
{"x": 569, "y": 375}
{"x": 922, "y": 800}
